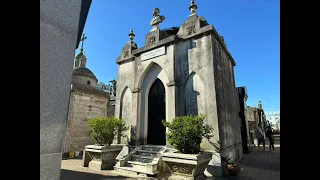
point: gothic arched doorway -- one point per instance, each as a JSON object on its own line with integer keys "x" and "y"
{"x": 156, "y": 113}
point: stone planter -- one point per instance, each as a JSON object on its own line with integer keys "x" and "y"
{"x": 186, "y": 166}
{"x": 100, "y": 157}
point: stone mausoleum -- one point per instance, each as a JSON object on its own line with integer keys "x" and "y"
{"x": 86, "y": 101}
{"x": 179, "y": 71}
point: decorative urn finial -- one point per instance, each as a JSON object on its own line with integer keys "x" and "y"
{"x": 193, "y": 8}
{"x": 131, "y": 35}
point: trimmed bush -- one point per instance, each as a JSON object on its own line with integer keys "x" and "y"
{"x": 105, "y": 129}
{"x": 186, "y": 133}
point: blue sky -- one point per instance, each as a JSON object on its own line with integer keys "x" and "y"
{"x": 251, "y": 29}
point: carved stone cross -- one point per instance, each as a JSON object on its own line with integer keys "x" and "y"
{"x": 84, "y": 37}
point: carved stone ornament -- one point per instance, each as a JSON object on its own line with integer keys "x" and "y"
{"x": 191, "y": 30}
{"x": 125, "y": 53}
{"x": 181, "y": 168}
{"x": 152, "y": 40}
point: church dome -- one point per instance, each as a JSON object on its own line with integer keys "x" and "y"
{"x": 83, "y": 76}
{"x": 83, "y": 71}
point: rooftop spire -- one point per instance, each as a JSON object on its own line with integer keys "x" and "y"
{"x": 193, "y": 8}
{"x": 131, "y": 35}
{"x": 260, "y": 105}
{"x": 84, "y": 37}
{"x": 81, "y": 59}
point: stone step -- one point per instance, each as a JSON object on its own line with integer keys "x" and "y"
{"x": 152, "y": 148}
{"x": 147, "y": 153}
{"x": 133, "y": 170}
{"x": 141, "y": 158}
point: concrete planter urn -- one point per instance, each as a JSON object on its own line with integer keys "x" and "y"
{"x": 186, "y": 166}
{"x": 100, "y": 157}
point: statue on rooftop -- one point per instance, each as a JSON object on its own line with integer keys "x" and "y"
{"x": 113, "y": 87}
{"x": 156, "y": 20}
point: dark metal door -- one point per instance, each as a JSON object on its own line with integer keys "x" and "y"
{"x": 156, "y": 113}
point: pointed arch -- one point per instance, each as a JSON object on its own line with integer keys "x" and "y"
{"x": 151, "y": 73}
{"x": 125, "y": 103}
{"x": 190, "y": 75}
{"x": 146, "y": 70}
{"x": 194, "y": 91}
{"x": 125, "y": 111}
{"x": 153, "y": 67}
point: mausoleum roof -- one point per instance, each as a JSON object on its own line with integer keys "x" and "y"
{"x": 170, "y": 31}
{"x": 83, "y": 71}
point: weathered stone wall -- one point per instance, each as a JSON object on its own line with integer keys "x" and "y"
{"x": 111, "y": 110}
{"x": 124, "y": 103}
{"x": 227, "y": 102}
{"x": 194, "y": 72}
{"x": 59, "y": 22}
{"x": 126, "y": 110}
{"x": 252, "y": 116}
{"x": 207, "y": 86}
{"x": 83, "y": 106}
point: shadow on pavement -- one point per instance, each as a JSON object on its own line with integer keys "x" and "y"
{"x": 239, "y": 177}
{"x": 265, "y": 160}
{"x": 75, "y": 175}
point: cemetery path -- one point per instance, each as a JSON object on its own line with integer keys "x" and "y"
{"x": 261, "y": 165}
{"x": 257, "y": 165}
{"x": 71, "y": 169}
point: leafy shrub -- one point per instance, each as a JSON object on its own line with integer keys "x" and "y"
{"x": 105, "y": 129}
{"x": 187, "y": 132}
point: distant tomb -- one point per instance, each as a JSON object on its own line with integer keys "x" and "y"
{"x": 86, "y": 101}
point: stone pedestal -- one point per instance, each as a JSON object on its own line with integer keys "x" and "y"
{"x": 100, "y": 157}
{"x": 186, "y": 166}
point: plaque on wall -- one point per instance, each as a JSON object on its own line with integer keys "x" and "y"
{"x": 153, "y": 53}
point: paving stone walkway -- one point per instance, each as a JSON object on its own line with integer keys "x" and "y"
{"x": 71, "y": 169}
{"x": 260, "y": 165}
{"x": 257, "y": 165}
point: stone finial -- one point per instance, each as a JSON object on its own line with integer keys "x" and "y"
{"x": 156, "y": 20}
{"x": 131, "y": 35}
{"x": 193, "y": 8}
{"x": 260, "y": 105}
{"x": 84, "y": 37}
{"x": 81, "y": 59}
